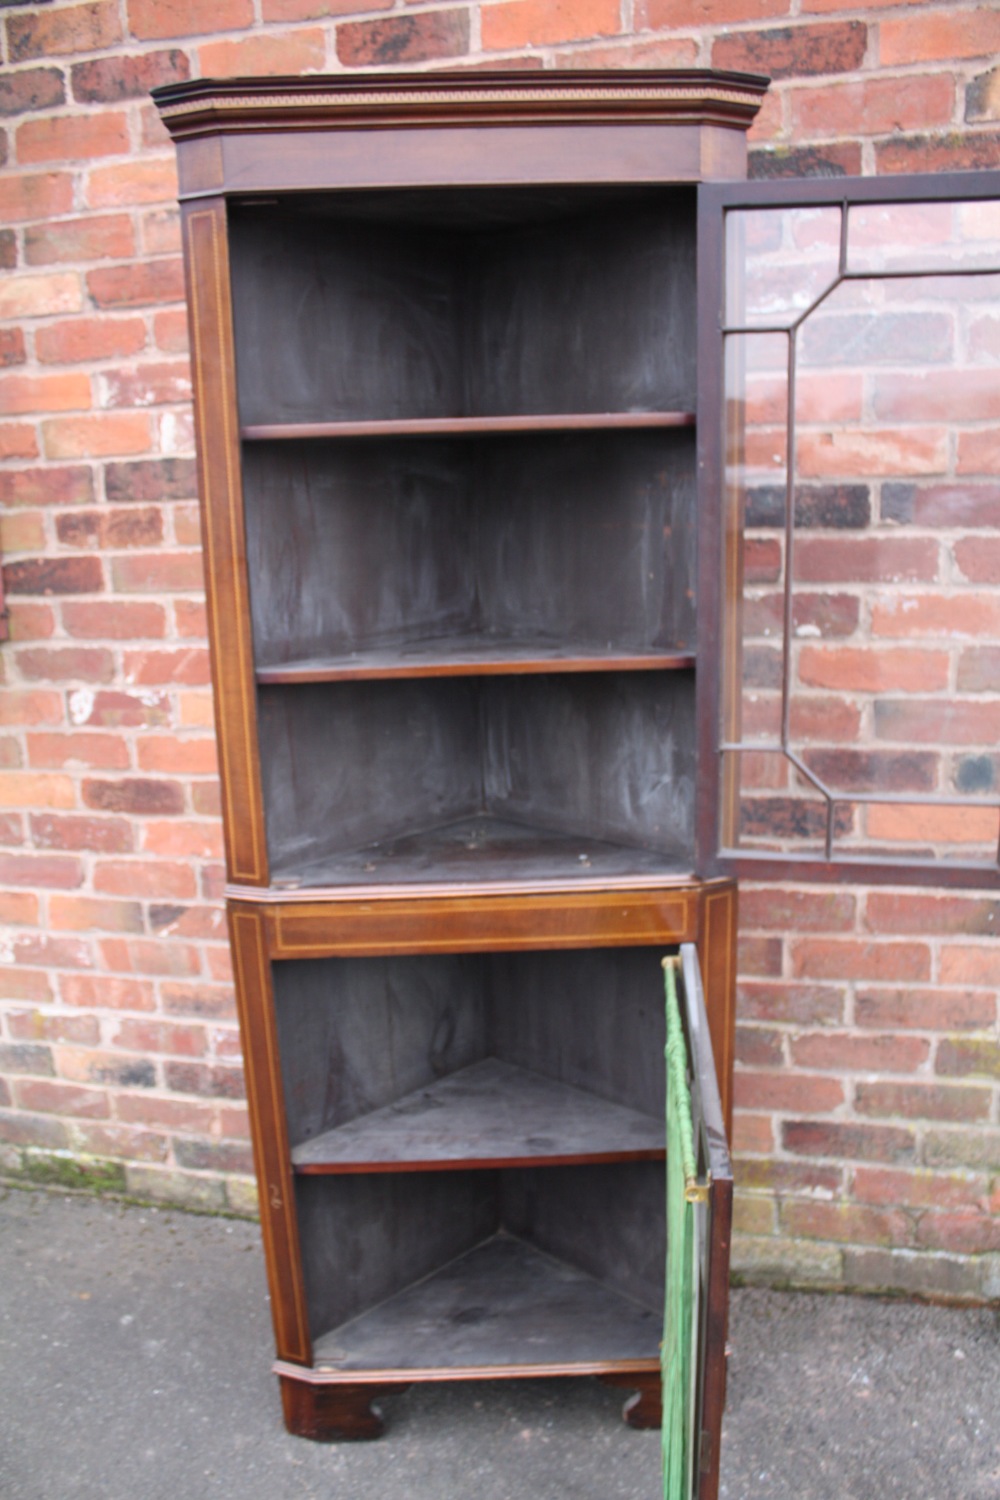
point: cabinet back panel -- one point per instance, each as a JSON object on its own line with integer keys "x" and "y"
{"x": 357, "y": 1033}
{"x": 592, "y": 1018}
{"x": 336, "y": 320}
{"x": 593, "y": 313}
{"x": 610, "y": 1221}
{"x": 343, "y": 766}
{"x": 365, "y": 1237}
{"x": 589, "y": 538}
{"x": 607, "y": 756}
{"x": 353, "y": 545}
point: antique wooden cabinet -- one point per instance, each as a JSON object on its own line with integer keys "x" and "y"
{"x": 444, "y": 343}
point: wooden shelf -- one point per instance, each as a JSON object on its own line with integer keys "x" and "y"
{"x": 486, "y": 850}
{"x": 466, "y": 426}
{"x": 490, "y": 1114}
{"x": 503, "y": 1304}
{"x": 471, "y": 656}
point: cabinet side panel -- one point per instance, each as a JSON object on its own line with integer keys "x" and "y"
{"x": 270, "y": 1142}
{"x": 366, "y": 1237}
{"x": 592, "y": 1019}
{"x": 607, "y": 756}
{"x": 357, "y": 1033}
{"x": 207, "y": 272}
{"x": 717, "y": 960}
{"x": 609, "y": 1221}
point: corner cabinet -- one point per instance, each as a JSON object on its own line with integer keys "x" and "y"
{"x": 444, "y": 340}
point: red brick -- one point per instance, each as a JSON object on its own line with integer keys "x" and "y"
{"x": 779, "y": 909}
{"x": 841, "y": 958}
{"x": 194, "y": 710}
{"x": 213, "y": 882}
{"x": 24, "y": 984}
{"x": 966, "y": 395}
{"x": 138, "y": 795}
{"x": 79, "y": 239}
{"x": 150, "y": 20}
{"x": 832, "y": 160}
{"x": 115, "y": 620}
{"x": 147, "y": 384}
{"x": 170, "y": 1114}
{"x": 31, "y": 622}
{"x": 153, "y": 180}
{"x": 875, "y": 106}
{"x": 141, "y": 282}
{"x": 52, "y": 1097}
{"x": 216, "y": 1156}
{"x": 104, "y": 992}
{"x": 793, "y": 51}
{"x": 151, "y": 480}
{"x": 36, "y": 1025}
{"x": 865, "y": 1053}
{"x": 106, "y": 80}
{"x": 978, "y": 452}
{"x": 18, "y": 440}
{"x": 201, "y": 922}
{"x": 947, "y": 505}
{"x": 939, "y": 36}
{"x": 978, "y": 559}
{"x": 19, "y": 908}
{"x": 937, "y": 721}
{"x": 866, "y": 559}
{"x": 922, "y": 1101}
{"x": 104, "y": 835}
{"x": 72, "y": 137}
{"x": 760, "y": 955}
{"x": 82, "y": 339}
{"x": 788, "y": 1177}
{"x": 85, "y": 1065}
{"x": 21, "y": 1130}
{"x": 961, "y": 1233}
{"x": 161, "y": 232}
{"x": 160, "y": 1036}
{"x": 919, "y": 824}
{"x": 64, "y": 664}
{"x": 650, "y": 52}
{"x": 803, "y": 1004}
{"x": 35, "y": 195}
{"x": 948, "y": 152}
{"x": 150, "y": 956}
{"x": 684, "y": 15}
{"x": 886, "y": 1143}
{"x": 187, "y": 532}
{"x": 103, "y": 433}
{"x": 875, "y": 770}
{"x": 110, "y": 529}
{"x": 762, "y": 560}
{"x": 436, "y": 34}
{"x": 872, "y": 453}
{"x": 31, "y": 89}
{"x": 880, "y": 1185}
{"x": 926, "y": 1010}
{"x": 170, "y": 331}
{"x": 965, "y": 1057}
{"x": 312, "y": 10}
{"x": 159, "y": 572}
{"x": 793, "y": 1093}
{"x": 871, "y": 670}
{"x": 114, "y": 710}
{"x": 49, "y": 575}
{"x": 54, "y": 871}
{"x": 189, "y": 666}
{"x": 195, "y": 757}
{"x": 8, "y": 249}
{"x": 969, "y": 965}
{"x": 978, "y": 666}
{"x": 119, "y": 1140}
{"x": 215, "y": 1002}
{"x": 23, "y": 531}
{"x": 287, "y": 53}
{"x": 77, "y": 28}
{"x": 846, "y": 1222}
{"x": 220, "y": 963}
{"x": 20, "y": 394}
{"x": 145, "y": 878}
{"x": 83, "y": 913}
{"x": 12, "y": 347}
{"x": 37, "y": 707}
{"x": 753, "y": 1132}
{"x": 217, "y": 1082}
{"x": 40, "y": 295}
{"x": 917, "y": 911}
{"x": 518, "y": 23}
{"x": 185, "y": 840}
{"x": 759, "y": 1047}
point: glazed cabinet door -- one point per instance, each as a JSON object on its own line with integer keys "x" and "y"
{"x": 848, "y": 399}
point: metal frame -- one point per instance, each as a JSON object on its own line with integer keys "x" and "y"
{"x": 720, "y": 613}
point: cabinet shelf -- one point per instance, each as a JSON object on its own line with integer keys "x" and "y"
{"x": 484, "y": 850}
{"x": 471, "y": 656}
{"x": 503, "y": 1304}
{"x": 490, "y": 1114}
{"x": 466, "y": 426}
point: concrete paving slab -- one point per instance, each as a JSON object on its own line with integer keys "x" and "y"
{"x": 135, "y": 1347}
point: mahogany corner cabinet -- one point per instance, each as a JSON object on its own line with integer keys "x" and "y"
{"x": 444, "y": 343}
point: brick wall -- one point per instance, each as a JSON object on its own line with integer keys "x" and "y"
{"x": 867, "y": 1134}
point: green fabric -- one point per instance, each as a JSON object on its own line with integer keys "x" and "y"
{"x": 676, "y": 1351}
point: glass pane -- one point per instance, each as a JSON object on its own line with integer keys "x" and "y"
{"x": 923, "y": 236}
{"x": 778, "y": 260}
{"x": 877, "y": 721}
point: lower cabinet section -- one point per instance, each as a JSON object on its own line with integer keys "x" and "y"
{"x": 462, "y": 1153}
